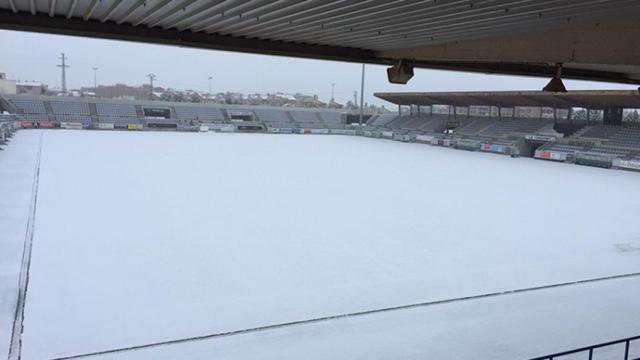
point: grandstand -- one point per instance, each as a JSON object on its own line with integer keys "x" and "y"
{"x": 605, "y": 140}
{"x": 551, "y": 136}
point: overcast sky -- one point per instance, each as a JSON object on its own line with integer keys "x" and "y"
{"x": 32, "y": 56}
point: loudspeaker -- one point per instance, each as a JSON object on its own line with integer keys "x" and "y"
{"x": 400, "y": 74}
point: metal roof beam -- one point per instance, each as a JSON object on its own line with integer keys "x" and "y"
{"x": 90, "y": 10}
{"x": 176, "y": 8}
{"x": 459, "y": 14}
{"x": 151, "y": 12}
{"x": 368, "y": 15}
{"x": 311, "y": 19}
{"x": 196, "y": 14}
{"x": 249, "y": 10}
{"x": 110, "y": 30}
{"x": 72, "y": 8}
{"x": 52, "y": 7}
{"x": 286, "y": 15}
{"x": 130, "y": 11}
{"x": 520, "y": 21}
{"x": 114, "y": 6}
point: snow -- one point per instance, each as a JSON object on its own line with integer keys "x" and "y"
{"x": 17, "y": 170}
{"x": 143, "y": 237}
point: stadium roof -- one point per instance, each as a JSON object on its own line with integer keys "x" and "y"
{"x": 593, "y": 39}
{"x": 595, "y": 99}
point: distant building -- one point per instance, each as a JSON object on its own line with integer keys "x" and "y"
{"x": 122, "y": 91}
{"x": 31, "y": 88}
{"x": 7, "y": 86}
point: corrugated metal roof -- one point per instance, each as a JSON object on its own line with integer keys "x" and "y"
{"x": 373, "y": 31}
{"x": 581, "y": 98}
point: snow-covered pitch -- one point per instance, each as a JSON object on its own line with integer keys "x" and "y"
{"x": 144, "y": 237}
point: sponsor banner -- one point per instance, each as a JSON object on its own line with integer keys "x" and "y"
{"x": 105, "y": 126}
{"x": 543, "y": 154}
{"x": 445, "y": 142}
{"x": 540, "y": 138}
{"x": 402, "y": 137}
{"x": 424, "y": 138}
{"x": 203, "y": 128}
{"x": 228, "y": 128}
{"x": 319, "y": 131}
{"x": 26, "y": 124}
{"x": 306, "y": 131}
{"x": 495, "y": 148}
{"x": 551, "y": 155}
{"x": 467, "y": 145}
{"x": 593, "y": 160}
{"x": 387, "y": 134}
{"x": 134, "y": 126}
{"x": 46, "y": 124}
{"x": 86, "y": 125}
{"x": 273, "y": 130}
{"x": 627, "y": 164}
{"x": 71, "y": 125}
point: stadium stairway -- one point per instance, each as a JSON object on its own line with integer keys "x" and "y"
{"x": 48, "y": 107}
{"x": 7, "y": 105}
{"x": 93, "y": 112}
{"x": 139, "y": 112}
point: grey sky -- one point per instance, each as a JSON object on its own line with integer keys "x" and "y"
{"x": 31, "y": 56}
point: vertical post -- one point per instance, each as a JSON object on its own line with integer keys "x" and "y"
{"x": 332, "y": 98}
{"x": 591, "y": 354}
{"x": 626, "y": 350}
{"x": 151, "y": 78}
{"x": 399, "y": 110}
{"x": 95, "y": 79}
{"x": 64, "y": 67}
{"x": 362, "y": 98}
{"x": 418, "y": 110}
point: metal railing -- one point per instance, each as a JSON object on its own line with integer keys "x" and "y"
{"x": 589, "y": 350}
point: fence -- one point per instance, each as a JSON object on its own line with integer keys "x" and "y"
{"x": 588, "y": 350}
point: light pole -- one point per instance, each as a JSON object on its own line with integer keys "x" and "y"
{"x": 95, "y": 79}
{"x": 333, "y": 85}
{"x": 151, "y": 78}
{"x": 361, "y": 96}
{"x": 210, "y": 78}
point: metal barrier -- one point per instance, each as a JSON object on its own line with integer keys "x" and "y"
{"x": 588, "y": 350}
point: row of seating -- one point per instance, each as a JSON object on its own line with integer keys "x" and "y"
{"x": 82, "y": 110}
{"x": 112, "y": 109}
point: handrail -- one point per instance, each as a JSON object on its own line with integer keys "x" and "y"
{"x": 589, "y": 349}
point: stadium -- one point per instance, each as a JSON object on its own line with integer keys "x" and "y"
{"x": 486, "y": 224}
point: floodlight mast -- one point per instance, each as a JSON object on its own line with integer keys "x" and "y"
{"x": 361, "y": 97}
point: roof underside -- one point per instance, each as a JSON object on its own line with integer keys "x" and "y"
{"x": 596, "y": 99}
{"x": 594, "y": 39}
